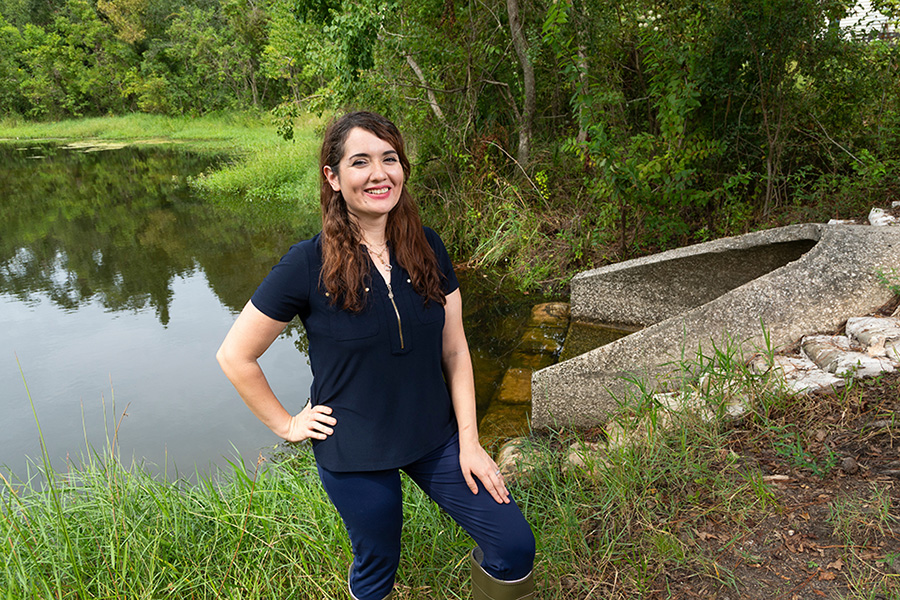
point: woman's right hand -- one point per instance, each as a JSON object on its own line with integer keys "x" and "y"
{"x": 313, "y": 422}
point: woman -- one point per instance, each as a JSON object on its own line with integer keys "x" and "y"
{"x": 392, "y": 377}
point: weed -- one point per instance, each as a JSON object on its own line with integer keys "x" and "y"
{"x": 855, "y": 518}
{"x": 889, "y": 278}
{"x": 789, "y": 445}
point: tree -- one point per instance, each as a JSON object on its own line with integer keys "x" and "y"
{"x": 212, "y": 61}
{"x": 127, "y": 18}
{"x": 762, "y": 58}
{"x": 526, "y": 115}
{"x": 75, "y": 66}
{"x": 11, "y": 74}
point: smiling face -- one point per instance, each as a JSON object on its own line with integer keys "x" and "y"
{"x": 369, "y": 176}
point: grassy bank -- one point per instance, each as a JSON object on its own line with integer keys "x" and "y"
{"x": 106, "y": 531}
{"x": 221, "y": 132}
{"x": 260, "y": 176}
{"x": 755, "y": 509}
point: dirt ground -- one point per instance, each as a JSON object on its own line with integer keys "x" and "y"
{"x": 833, "y": 531}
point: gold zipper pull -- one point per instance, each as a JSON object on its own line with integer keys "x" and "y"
{"x": 396, "y": 312}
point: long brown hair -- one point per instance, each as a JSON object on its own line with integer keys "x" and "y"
{"x": 345, "y": 265}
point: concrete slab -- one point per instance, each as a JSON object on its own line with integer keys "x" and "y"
{"x": 782, "y": 283}
{"x": 651, "y": 289}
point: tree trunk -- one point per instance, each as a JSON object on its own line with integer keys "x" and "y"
{"x": 432, "y": 100}
{"x": 253, "y": 88}
{"x": 583, "y": 85}
{"x": 527, "y": 114}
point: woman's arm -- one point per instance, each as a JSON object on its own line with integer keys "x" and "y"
{"x": 249, "y": 337}
{"x": 457, "y": 364}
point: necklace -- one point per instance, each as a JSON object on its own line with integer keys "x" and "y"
{"x": 373, "y": 247}
{"x": 380, "y": 256}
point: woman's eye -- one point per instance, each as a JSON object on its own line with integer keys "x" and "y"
{"x": 358, "y": 163}
{"x": 390, "y": 159}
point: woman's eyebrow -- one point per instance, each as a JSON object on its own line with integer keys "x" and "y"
{"x": 367, "y": 155}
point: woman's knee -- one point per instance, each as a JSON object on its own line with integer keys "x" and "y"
{"x": 373, "y": 570}
{"x": 511, "y": 556}
{"x": 519, "y": 551}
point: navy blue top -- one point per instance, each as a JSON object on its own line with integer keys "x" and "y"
{"x": 381, "y": 374}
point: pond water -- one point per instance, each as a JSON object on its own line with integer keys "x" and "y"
{"x": 116, "y": 286}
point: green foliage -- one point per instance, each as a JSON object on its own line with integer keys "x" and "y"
{"x": 211, "y": 61}
{"x": 789, "y": 445}
{"x": 889, "y": 278}
{"x": 654, "y": 126}
{"x": 73, "y": 66}
{"x": 297, "y": 52}
{"x": 85, "y": 58}
{"x": 11, "y": 74}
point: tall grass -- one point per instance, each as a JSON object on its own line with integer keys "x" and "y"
{"x": 102, "y": 529}
{"x": 270, "y": 181}
{"x": 106, "y": 531}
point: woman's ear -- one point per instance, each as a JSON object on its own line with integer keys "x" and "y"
{"x": 332, "y": 178}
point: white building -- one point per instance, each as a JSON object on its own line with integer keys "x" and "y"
{"x": 866, "y": 21}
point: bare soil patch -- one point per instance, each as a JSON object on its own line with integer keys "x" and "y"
{"x": 832, "y": 465}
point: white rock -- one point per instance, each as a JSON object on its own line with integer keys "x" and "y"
{"x": 618, "y": 437}
{"x": 517, "y": 458}
{"x": 837, "y": 354}
{"x": 895, "y": 204}
{"x": 798, "y": 374}
{"x": 841, "y": 222}
{"x": 880, "y": 335}
{"x": 684, "y": 403}
{"x": 878, "y": 217}
{"x": 583, "y": 456}
{"x": 736, "y": 408}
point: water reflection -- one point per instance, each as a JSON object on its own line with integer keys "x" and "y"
{"x": 117, "y": 283}
{"x": 115, "y": 227}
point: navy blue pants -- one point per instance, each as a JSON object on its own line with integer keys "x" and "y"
{"x": 371, "y": 506}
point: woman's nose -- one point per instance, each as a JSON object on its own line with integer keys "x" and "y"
{"x": 378, "y": 171}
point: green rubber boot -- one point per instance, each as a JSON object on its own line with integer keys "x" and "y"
{"x": 352, "y": 597}
{"x": 485, "y": 587}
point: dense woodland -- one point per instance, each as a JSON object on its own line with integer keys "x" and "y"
{"x": 549, "y": 135}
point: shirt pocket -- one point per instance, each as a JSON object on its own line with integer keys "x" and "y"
{"x": 432, "y": 313}
{"x": 346, "y": 325}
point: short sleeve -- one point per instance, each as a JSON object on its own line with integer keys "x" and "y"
{"x": 284, "y": 292}
{"x": 450, "y": 283}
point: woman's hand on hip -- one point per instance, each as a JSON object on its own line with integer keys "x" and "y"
{"x": 474, "y": 461}
{"x": 314, "y": 422}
